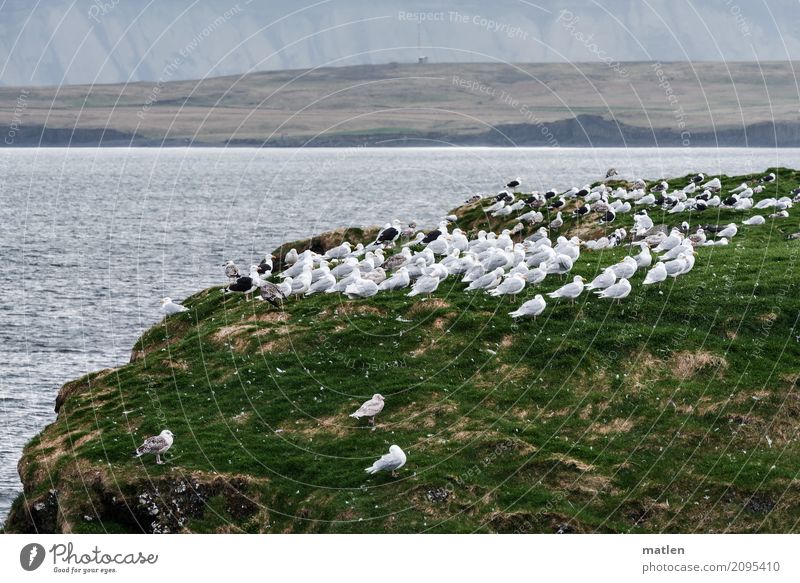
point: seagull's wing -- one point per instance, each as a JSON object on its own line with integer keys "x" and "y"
{"x": 370, "y": 408}
{"x": 386, "y": 462}
{"x": 152, "y": 445}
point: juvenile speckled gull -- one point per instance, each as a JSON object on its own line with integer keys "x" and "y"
{"x": 370, "y": 408}
{"x": 158, "y": 444}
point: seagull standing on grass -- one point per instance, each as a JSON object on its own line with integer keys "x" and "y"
{"x": 157, "y": 445}
{"x": 571, "y": 290}
{"x": 370, "y": 409}
{"x": 530, "y": 309}
{"x": 618, "y": 291}
{"x": 169, "y": 307}
{"x": 656, "y": 275}
{"x": 392, "y": 461}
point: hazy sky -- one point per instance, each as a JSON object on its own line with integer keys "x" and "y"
{"x": 50, "y": 42}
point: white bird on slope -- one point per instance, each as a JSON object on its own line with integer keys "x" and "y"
{"x": 339, "y": 252}
{"x": 618, "y": 291}
{"x": 325, "y": 282}
{"x": 729, "y": 231}
{"x": 361, "y": 288}
{"x": 604, "y": 280}
{"x": 571, "y": 290}
{"x": 169, "y": 307}
{"x": 536, "y": 275}
{"x": 672, "y": 240}
{"x": 392, "y": 461}
{"x": 754, "y": 220}
{"x": 487, "y": 281}
{"x": 302, "y": 283}
{"x": 643, "y": 259}
{"x": 559, "y": 265}
{"x": 656, "y": 275}
{"x": 625, "y": 268}
{"x": 530, "y": 309}
{"x": 510, "y": 287}
{"x": 427, "y": 284}
{"x": 398, "y": 281}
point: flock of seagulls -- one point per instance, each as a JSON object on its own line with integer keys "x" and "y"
{"x": 497, "y": 265}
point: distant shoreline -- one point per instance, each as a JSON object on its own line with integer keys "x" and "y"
{"x": 583, "y": 131}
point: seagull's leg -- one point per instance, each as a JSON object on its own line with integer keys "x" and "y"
{"x": 372, "y": 421}
{"x": 158, "y": 459}
{"x": 394, "y": 473}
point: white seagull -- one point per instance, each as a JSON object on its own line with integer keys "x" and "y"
{"x": 656, "y": 275}
{"x": 169, "y": 307}
{"x": 530, "y": 309}
{"x": 392, "y": 461}
{"x": 571, "y": 290}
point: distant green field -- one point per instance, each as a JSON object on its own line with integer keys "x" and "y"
{"x": 674, "y": 411}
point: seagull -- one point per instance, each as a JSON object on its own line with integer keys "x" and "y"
{"x": 643, "y": 259}
{"x": 557, "y": 222}
{"x": 169, "y": 307}
{"x": 231, "y": 270}
{"x": 487, "y": 281}
{"x": 656, "y": 275}
{"x": 728, "y": 232}
{"x": 662, "y": 186}
{"x": 272, "y": 293}
{"x": 246, "y": 284}
{"x": 537, "y": 274}
{"x": 571, "y": 290}
{"x": 741, "y": 188}
{"x": 291, "y": 257}
{"x": 392, "y": 461}
{"x": 158, "y": 444}
{"x": 265, "y": 266}
{"x": 513, "y": 184}
{"x": 618, "y": 291}
{"x": 389, "y": 234}
{"x": 324, "y": 283}
{"x": 530, "y": 309}
{"x": 361, "y": 288}
{"x": 427, "y": 284}
{"x": 755, "y": 220}
{"x": 510, "y": 287}
{"x": 399, "y": 280}
{"x": 370, "y": 408}
{"x": 339, "y": 252}
{"x": 604, "y": 280}
{"x": 625, "y": 268}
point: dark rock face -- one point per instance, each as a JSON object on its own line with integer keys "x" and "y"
{"x": 158, "y": 507}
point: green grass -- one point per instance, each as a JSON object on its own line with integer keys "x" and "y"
{"x": 648, "y": 416}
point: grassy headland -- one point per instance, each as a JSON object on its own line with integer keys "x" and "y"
{"x": 676, "y": 411}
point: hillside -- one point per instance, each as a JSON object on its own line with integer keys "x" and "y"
{"x": 544, "y": 104}
{"x": 674, "y": 411}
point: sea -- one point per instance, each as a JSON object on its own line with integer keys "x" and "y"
{"x": 92, "y": 239}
